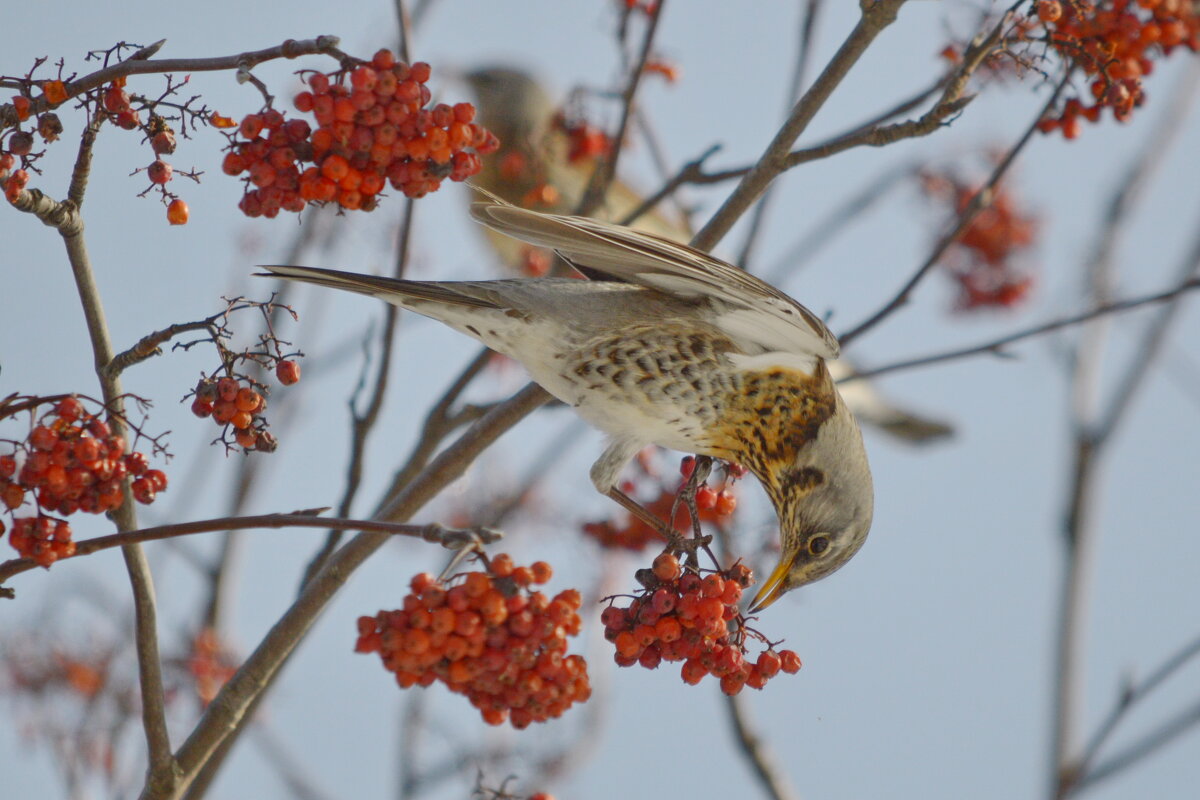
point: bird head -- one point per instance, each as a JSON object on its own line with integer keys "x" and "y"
{"x": 512, "y": 104}
{"x": 825, "y": 501}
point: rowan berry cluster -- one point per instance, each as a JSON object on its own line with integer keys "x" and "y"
{"x": 372, "y": 129}
{"x": 1115, "y": 45}
{"x": 714, "y": 505}
{"x": 681, "y": 615}
{"x": 235, "y": 401}
{"x": 984, "y": 262}
{"x": 209, "y": 664}
{"x": 585, "y": 141}
{"x": 489, "y": 636}
{"x": 70, "y": 461}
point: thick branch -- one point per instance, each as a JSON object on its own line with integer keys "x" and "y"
{"x": 162, "y": 772}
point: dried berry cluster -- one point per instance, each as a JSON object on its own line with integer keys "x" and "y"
{"x": 20, "y": 142}
{"x": 713, "y": 505}
{"x": 372, "y": 129}
{"x": 489, "y": 637}
{"x": 985, "y": 261}
{"x": 682, "y": 616}
{"x": 1115, "y": 44}
{"x": 70, "y": 461}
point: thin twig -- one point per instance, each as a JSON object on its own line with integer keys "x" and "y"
{"x": 362, "y": 424}
{"x": 876, "y": 16}
{"x": 439, "y": 423}
{"x": 135, "y": 65}
{"x": 996, "y": 346}
{"x": 808, "y": 21}
{"x": 1127, "y": 698}
{"x": 773, "y": 780}
{"x": 1090, "y": 440}
{"x": 981, "y": 200}
{"x": 1146, "y": 745}
{"x": 448, "y": 537}
{"x": 606, "y": 169}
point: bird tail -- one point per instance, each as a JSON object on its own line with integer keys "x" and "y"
{"x": 393, "y": 290}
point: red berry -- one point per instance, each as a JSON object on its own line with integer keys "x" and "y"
{"x": 288, "y": 372}
{"x": 159, "y": 172}
{"x": 177, "y": 212}
{"x": 706, "y": 497}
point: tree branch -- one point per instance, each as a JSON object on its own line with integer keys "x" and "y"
{"x": 981, "y": 200}
{"x": 448, "y": 537}
{"x": 876, "y": 15}
{"x": 773, "y": 780}
{"x": 996, "y": 346}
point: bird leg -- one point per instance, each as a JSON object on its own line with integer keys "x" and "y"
{"x": 640, "y": 511}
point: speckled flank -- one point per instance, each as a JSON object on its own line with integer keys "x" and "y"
{"x": 760, "y": 419}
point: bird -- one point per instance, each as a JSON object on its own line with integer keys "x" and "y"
{"x": 539, "y": 166}
{"x": 665, "y": 344}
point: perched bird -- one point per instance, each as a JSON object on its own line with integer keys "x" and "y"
{"x": 666, "y": 345}
{"x": 544, "y": 164}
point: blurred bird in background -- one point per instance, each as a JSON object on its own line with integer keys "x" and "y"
{"x": 545, "y": 161}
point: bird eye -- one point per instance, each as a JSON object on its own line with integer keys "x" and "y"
{"x": 818, "y": 545}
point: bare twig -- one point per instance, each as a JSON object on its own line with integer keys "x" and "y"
{"x": 875, "y": 17}
{"x": 1090, "y": 440}
{"x": 362, "y": 424}
{"x": 448, "y": 537}
{"x": 996, "y": 346}
{"x": 439, "y": 423}
{"x": 1146, "y": 745}
{"x": 981, "y": 200}
{"x": 773, "y": 780}
{"x": 1127, "y": 698}
{"x": 136, "y": 65}
{"x": 606, "y": 169}
{"x": 808, "y": 22}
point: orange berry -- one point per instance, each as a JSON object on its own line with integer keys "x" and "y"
{"x": 177, "y": 212}
{"x": 666, "y": 567}
{"x": 247, "y": 399}
{"x": 159, "y": 171}
{"x": 55, "y": 91}
{"x": 1049, "y": 10}
{"x": 288, "y": 372}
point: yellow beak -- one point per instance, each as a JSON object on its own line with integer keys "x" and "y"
{"x": 775, "y": 585}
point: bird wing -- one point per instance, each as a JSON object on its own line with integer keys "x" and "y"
{"x": 747, "y": 308}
